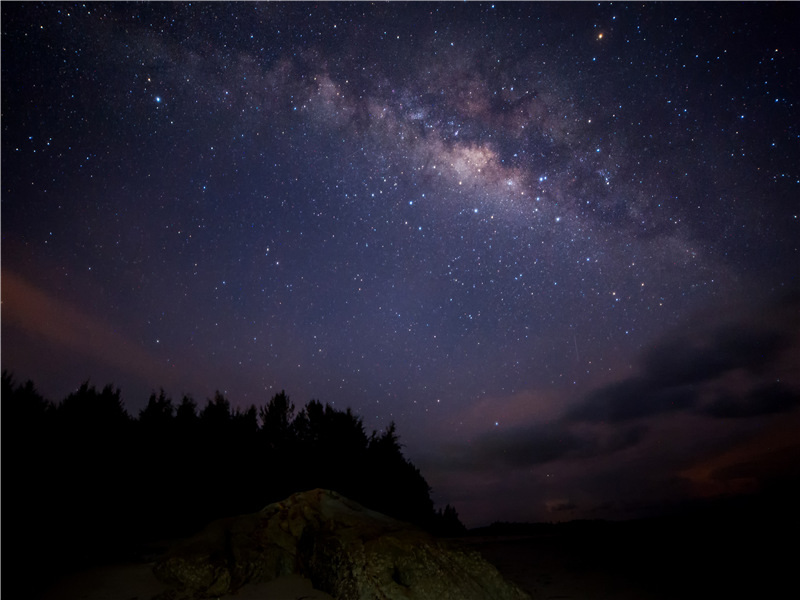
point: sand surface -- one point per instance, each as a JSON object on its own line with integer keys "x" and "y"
{"x": 548, "y": 572}
{"x": 560, "y": 567}
{"x": 539, "y": 568}
{"x": 137, "y": 582}
{"x": 647, "y": 560}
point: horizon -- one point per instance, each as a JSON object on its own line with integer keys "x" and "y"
{"x": 555, "y": 243}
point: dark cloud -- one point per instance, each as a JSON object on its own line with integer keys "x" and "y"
{"x": 531, "y": 446}
{"x": 541, "y": 444}
{"x": 641, "y": 441}
{"x": 775, "y": 468}
{"x": 633, "y": 398}
{"x": 563, "y": 507}
{"x": 674, "y": 373}
{"x": 690, "y": 360}
{"x": 765, "y": 400}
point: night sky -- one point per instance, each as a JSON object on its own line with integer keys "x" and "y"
{"x": 557, "y": 244}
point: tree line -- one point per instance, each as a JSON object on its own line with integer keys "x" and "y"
{"x": 89, "y": 480}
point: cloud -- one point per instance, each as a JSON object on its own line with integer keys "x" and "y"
{"x": 561, "y": 506}
{"x": 767, "y": 457}
{"x": 767, "y": 399}
{"x": 633, "y": 398}
{"x": 537, "y": 444}
{"x": 674, "y": 431}
{"x": 530, "y": 446}
{"x": 689, "y": 359}
{"x": 51, "y": 323}
{"x": 674, "y": 375}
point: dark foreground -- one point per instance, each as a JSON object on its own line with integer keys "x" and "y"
{"x": 608, "y": 563}
{"x": 705, "y": 555}
{"x": 722, "y": 552}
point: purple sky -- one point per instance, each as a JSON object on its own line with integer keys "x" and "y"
{"x": 557, "y": 244}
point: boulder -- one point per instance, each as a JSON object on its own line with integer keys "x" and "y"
{"x": 346, "y": 550}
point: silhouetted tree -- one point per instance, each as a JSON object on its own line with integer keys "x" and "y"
{"x": 23, "y": 404}
{"x": 118, "y": 480}
{"x": 217, "y": 413}
{"x": 186, "y": 414}
{"x": 156, "y": 444}
{"x": 245, "y": 422}
{"x": 215, "y": 452}
{"x": 333, "y": 448}
{"x": 91, "y": 460}
{"x": 276, "y": 421}
{"x": 27, "y": 470}
{"x": 87, "y": 405}
{"x": 158, "y": 414}
{"x": 188, "y": 473}
{"x": 243, "y": 463}
{"x": 446, "y": 523}
{"x": 398, "y": 488}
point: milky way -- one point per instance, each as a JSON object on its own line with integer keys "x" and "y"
{"x": 496, "y": 225}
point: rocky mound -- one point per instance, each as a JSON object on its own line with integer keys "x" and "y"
{"x": 345, "y": 549}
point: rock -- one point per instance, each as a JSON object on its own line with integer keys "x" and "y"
{"x": 346, "y": 550}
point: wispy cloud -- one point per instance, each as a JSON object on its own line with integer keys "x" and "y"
{"x": 52, "y": 322}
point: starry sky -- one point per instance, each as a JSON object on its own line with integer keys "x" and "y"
{"x": 556, "y": 243}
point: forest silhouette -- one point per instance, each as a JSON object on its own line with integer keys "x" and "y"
{"x": 85, "y": 482}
